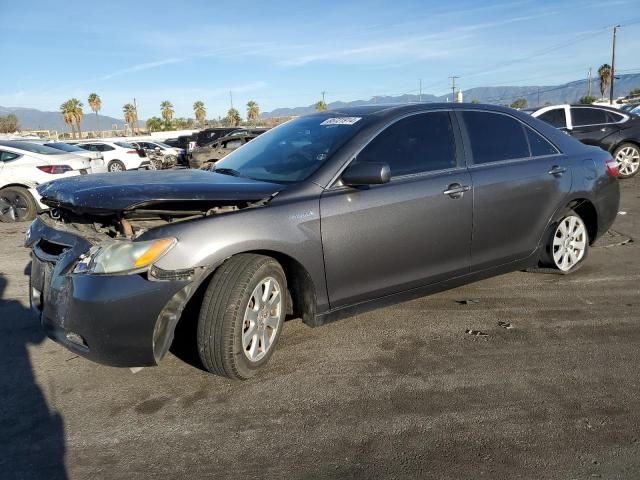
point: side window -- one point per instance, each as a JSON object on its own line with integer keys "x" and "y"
{"x": 581, "y": 116}
{"x": 105, "y": 148}
{"x": 555, "y": 117}
{"x": 540, "y": 146}
{"x": 87, "y": 146}
{"x": 495, "y": 137}
{"x": 613, "y": 117}
{"x": 7, "y": 156}
{"x": 416, "y": 144}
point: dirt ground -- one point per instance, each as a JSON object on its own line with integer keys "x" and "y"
{"x": 402, "y": 392}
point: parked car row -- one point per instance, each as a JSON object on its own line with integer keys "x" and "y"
{"x": 616, "y": 131}
{"x": 223, "y": 141}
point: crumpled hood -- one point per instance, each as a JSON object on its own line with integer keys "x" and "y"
{"x": 128, "y": 190}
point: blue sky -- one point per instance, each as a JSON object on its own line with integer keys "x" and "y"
{"x": 284, "y": 53}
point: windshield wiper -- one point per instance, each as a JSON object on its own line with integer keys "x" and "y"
{"x": 227, "y": 171}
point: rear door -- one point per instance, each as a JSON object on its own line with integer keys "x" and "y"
{"x": 383, "y": 239}
{"x": 519, "y": 179}
{"x": 555, "y": 116}
{"x": 591, "y": 125}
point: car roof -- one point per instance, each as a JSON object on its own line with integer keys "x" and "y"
{"x": 389, "y": 110}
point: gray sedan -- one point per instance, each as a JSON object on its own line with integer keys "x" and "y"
{"x": 320, "y": 218}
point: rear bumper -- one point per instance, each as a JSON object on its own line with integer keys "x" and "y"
{"x": 607, "y": 206}
{"x": 117, "y": 320}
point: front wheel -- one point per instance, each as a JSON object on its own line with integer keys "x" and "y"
{"x": 627, "y": 156}
{"x": 242, "y": 315}
{"x": 567, "y": 245}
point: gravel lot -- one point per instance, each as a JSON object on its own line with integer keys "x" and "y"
{"x": 402, "y": 392}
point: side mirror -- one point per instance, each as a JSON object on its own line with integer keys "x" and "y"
{"x": 366, "y": 173}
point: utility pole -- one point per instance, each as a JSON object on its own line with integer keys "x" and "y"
{"x": 323, "y": 96}
{"x": 420, "y": 96}
{"x": 453, "y": 87}
{"x": 538, "y": 97}
{"x": 231, "y": 98}
{"x": 613, "y": 64}
{"x": 589, "y": 88}
{"x": 135, "y": 109}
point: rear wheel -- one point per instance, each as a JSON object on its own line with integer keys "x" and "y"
{"x": 116, "y": 166}
{"x": 567, "y": 244}
{"x": 627, "y": 156}
{"x": 242, "y": 315}
{"x": 17, "y": 205}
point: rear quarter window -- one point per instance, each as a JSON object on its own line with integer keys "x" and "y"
{"x": 555, "y": 117}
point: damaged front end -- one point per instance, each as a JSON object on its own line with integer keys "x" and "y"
{"x": 94, "y": 283}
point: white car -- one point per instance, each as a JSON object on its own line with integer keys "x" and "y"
{"x": 98, "y": 164}
{"x": 24, "y": 166}
{"x": 119, "y": 156}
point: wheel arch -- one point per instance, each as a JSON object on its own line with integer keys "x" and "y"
{"x": 589, "y": 214}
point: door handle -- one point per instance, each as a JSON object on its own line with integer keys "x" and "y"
{"x": 557, "y": 171}
{"x": 455, "y": 190}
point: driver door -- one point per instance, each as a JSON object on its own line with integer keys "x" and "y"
{"x": 384, "y": 239}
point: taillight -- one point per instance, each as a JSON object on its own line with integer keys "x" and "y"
{"x": 612, "y": 167}
{"x": 55, "y": 169}
{"x": 132, "y": 151}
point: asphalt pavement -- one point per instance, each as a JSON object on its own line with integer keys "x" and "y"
{"x": 525, "y": 375}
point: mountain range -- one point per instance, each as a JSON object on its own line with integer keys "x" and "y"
{"x": 535, "y": 95}
{"x": 32, "y": 119}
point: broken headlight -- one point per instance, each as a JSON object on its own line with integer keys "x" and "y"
{"x": 121, "y": 257}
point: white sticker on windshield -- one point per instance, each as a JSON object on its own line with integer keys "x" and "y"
{"x": 341, "y": 121}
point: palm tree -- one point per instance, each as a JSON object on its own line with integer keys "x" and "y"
{"x": 95, "y": 102}
{"x": 604, "y": 72}
{"x": 321, "y": 106}
{"x": 233, "y": 117}
{"x": 166, "y": 109}
{"x": 130, "y": 115}
{"x": 75, "y": 107}
{"x": 199, "y": 111}
{"x": 68, "y": 117}
{"x": 253, "y": 111}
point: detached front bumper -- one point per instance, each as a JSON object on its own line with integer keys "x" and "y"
{"x": 117, "y": 320}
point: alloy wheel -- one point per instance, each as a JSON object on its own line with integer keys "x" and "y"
{"x": 628, "y": 159}
{"x": 569, "y": 242}
{"x": 262, "y": 319}
{"x": 115, "y": 167}
{"x": 13, "y": 207}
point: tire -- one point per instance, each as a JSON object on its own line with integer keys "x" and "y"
{"x": 627, "y": 156}
{"x": 155, "y": 164}
{"x": 116, "y": 166}
{"x": 17, "y": 205}
{"x": 566, "y": 244}
{"x": 231, "y": 309}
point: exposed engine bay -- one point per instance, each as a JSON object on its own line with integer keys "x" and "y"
{"x": 129, "y": 224}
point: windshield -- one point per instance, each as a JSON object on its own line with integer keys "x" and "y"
{"x": 65, "y": 147}
{"x": 293, "y": 151}
{"x": 33, "y": 148}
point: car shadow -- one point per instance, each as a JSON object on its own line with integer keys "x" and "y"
{"x": 32, "y": 444}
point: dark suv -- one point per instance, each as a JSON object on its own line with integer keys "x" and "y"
{"x": 322, "y": 217}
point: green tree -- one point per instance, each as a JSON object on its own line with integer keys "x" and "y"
{"x": 166, "y": 110}
{"x": 72, "y": 114}
{"x": 95, "y": 103}
{"x": 635, "y": 92}
{"x": 199, "y": 111}
{"x": 475, "y": 101}
{"x": 587, "y": 99}
{"x": 130, "y": 116}
{"x": 320, "y": 106}
{"x": 604, "y": 72}
{"x": 233, "y": 118}
{"x": 253, "y": 112}
{"x": 154, "y": 124}
{"x": 520, "y": 103}
{"x": 75, "y": 107}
